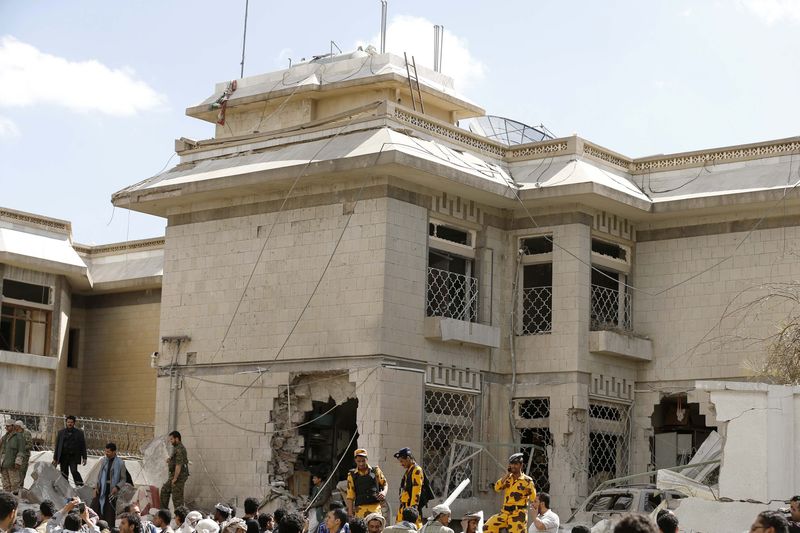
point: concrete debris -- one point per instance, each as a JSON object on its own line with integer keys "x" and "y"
{"x": 290, "y": 410}
{"x": 696, "y": 514}
{"x": 669, "y": 480}
{"x": 154, "y": 470}
{"x": 49, "y": 484}
{"x": 710, "y": 450}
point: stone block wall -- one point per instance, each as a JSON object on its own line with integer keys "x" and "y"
{"x": 707, "y": 326}
{"x": 119, "y": 334}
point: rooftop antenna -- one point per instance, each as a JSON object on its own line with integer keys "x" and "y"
{"x": 438, "y": 40}
{"x": 383, "y": 25}
{"x": 244, "y": 36}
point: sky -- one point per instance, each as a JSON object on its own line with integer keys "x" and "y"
{"x": 93, "y": 92}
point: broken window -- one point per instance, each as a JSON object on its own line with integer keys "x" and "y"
{"x": 29, "y": 292}
{"x": 609, "y": 249}
{"x": 452, "y": 287}
{"x": 609, "y": 441}
{"x": 449, "y": 416}
{"x": 611, "y": 300}
{"x": 532, "y": 421}
{"x": 24, "y": 329}
{"x": 536, "y": 245}
{"x": 679, "y": 430}
{"x": 536, "y": 310}
{"x": 449, "y": 233}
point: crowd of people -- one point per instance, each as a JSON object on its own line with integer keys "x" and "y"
{"x": 360, "y": 511}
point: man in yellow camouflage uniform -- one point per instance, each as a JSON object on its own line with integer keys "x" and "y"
{"x": 518, "y": 494}
{"x": 410, "y": 485}
{"x": 366, "y": 487}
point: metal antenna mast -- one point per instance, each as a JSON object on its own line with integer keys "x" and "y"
{"x": 244, "y": 36}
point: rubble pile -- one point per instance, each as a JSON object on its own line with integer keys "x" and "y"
{"x": 146, "y": 473}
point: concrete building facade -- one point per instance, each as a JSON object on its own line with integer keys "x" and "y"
{"x": 344, "y": 266}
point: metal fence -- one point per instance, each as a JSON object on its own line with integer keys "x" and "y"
{"x": 532, "y": 422}
{"x": 537, "y": 310}
{"x": 611, "y": 309}
{"x": 609, "y": 440}
{"x": 128, "y": 437}
{"x": 450, "y": 416}
{"x": 452, "y": 295}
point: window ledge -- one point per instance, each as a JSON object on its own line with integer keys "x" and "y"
{"x": 617, "y": 344}
{"x": 28, "y": 360}
{"x": 452, "y": 330}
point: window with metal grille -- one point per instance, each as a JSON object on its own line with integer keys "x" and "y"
{"x": 452, "y": 290}
{"x": 449, "y": 416}
{"x": 532, "y": 421}
{"x": 611, "y": 300}
{"x": 537, "y": 299}
{"x": 609, "y": 441}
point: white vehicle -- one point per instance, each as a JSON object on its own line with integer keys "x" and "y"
{"x": 614, "y": 502}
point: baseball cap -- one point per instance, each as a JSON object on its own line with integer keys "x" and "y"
{"x": 19, "y": 423}
{"x": 516, "y": 458}
{"x": 361, "y": 452}
{"x": 402, "y": 453}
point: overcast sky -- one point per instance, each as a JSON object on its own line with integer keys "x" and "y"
{"x": 92, "y": 93}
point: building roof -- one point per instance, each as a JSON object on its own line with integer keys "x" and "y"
{"x": 389, "y": 138}
{"x": 44, "y": 244}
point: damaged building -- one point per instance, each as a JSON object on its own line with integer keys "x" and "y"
{"x": 356, "y": 260}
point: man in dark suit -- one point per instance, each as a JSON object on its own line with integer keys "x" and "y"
{"x": 70, "y": 449}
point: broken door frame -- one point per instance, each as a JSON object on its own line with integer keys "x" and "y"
{"x": 465, "y": 455}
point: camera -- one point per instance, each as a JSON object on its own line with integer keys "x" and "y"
{"x": 81, "y": 507}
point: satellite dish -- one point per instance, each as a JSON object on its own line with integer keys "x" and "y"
{"x": 507, "y": 131}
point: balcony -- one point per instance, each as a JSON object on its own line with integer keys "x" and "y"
{"x": 611, "y": 309}
{"x": 452, "y": 310}
{"x": 537, "y": 310}
{"x": 612, "y": 329}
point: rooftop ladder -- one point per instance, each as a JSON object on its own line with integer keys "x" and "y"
{"x": 413, "y": 83}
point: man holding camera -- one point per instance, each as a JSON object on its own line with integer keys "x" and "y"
{"x": 518, "y": 493}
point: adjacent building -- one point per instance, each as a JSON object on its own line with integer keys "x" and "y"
{"x": 78, "y": 323}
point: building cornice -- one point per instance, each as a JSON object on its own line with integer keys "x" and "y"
{"x": 140, "y": 245}
{"x": 52, "y": 224}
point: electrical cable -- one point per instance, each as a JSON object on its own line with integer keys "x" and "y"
{"x": 212, "y": 382}
{"x": 670, "y": 287}
{"x": 269, "y": 233}
{"x": 216, "y": 414}
{"x": 682, "y": 185}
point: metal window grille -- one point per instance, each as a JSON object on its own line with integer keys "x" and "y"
{"x": 452, "y": 295}
{"x": 537, "y": 310}
{"x": 532, "y": 421}
{"x": 449, "y": 416}
{"x": 129, "y": 438}
{"x": 611, "y": 309}
{"x": 609, "y": 441}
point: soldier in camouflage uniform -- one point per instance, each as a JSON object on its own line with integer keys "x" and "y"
{"x": 518, "y": 493}
{"x": 178, "y": 463}
{"x": 23, "y": 469}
